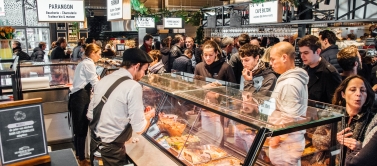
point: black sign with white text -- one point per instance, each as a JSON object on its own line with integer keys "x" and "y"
{"x": 22, "y": 133}
{"x": 298, "y": 60}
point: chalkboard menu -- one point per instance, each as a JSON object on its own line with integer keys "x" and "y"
{"x": 22, "y": 133}
{"x": 298, "y": 60}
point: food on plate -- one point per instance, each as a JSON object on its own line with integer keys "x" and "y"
{"x": 309, "y": 150}
{"x": 229, "y": 161}
{"x": 171, "y": 124}
{"x": 204, "y": 153}
{"x": 178, "y": 142}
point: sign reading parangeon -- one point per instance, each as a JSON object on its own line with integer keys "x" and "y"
{"x": 60, "y": 10}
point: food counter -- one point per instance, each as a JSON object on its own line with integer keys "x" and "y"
{"x": 202, "y": 123}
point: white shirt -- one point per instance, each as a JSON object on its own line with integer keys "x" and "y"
{"x": 85, "y": 73}
{"x": 124, "y": 105}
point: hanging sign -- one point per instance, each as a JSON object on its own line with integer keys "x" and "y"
{"x": 266, "y": 12}
{"x": 22, "y": 133}
{"x": 2, "y": 9}
{"x": 173, "y": 23}
{"x": 118, "y": 10}
{"x": 145, "y": 22}
{"x": 60, "y": 10}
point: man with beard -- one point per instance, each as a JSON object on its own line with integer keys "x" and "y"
{"x": 176, "y": 50}
{"x": 58, "y": 52}
{"x": 116, "y": 109}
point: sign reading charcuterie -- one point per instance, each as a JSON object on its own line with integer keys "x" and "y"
{"x": 173, "y": 23}
{"x": 60, "y": 10}
{"x": 266, "y": 12}
{"x": 118, "y": 10}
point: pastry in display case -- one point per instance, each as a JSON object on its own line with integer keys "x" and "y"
{"x": 211, "y": 123}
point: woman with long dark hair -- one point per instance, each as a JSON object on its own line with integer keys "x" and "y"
{"x": 357, "y": 96}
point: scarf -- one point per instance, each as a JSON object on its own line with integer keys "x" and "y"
{"x": 156, "y": 67}
{"x": 372, "y": 128}
{"x": 147, "y": 47}
{"x": 259, "y": 67}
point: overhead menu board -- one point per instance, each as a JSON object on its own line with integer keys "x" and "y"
{"x": 118, "y": 10}
{"x": 60, "y": 10}
{"x": 22, "y": 133}
{"x": 173, "y": 23}
{"x": 266, "y": 12}
{"x": 145, "y": 22}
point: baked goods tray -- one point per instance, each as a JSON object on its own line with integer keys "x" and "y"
{"x": 203, "y": 154}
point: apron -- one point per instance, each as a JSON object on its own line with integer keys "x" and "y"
{"x": 116, "y": 148}
{"x": 78, "y": 107}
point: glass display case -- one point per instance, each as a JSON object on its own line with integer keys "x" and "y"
{"x": 213, "y": 123}
{"x": 58, "y": 73}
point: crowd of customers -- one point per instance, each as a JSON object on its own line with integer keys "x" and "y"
{"x": 328, "y": 75}
{"x": 340, "y": 77}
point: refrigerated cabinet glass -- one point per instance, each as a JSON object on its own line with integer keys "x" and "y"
{"x": 204, "y": 123}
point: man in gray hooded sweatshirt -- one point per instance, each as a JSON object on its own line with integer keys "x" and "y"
{"x": 291, "y": 98}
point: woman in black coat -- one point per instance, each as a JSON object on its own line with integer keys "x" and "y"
{"x": 367, "y": 155}
{"x": 213, "y": 66}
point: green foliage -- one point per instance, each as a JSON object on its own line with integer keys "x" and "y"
{"x": 199, "y": 35}
{"x": 138, "y": 9}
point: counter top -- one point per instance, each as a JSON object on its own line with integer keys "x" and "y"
{"x": 145, "y": 153}
{"x": 47, "y": 89}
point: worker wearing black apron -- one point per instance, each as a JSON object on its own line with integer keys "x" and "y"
{"x": 84, "y": 79}
{"x": 116, "y": 109}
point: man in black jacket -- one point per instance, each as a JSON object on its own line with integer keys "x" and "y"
{"x": 165, "y": 53}
{"x": 38, "y": 52}
{"x": 175, "y": 51}
{"x": 58, "y": 52}
{"x": 147, "y": 43}
{"x": 323, "y": 77}
{"x": 329, "y": 49}
{"x": 18, "y": 51}
{"x": 235, "y": 61}
{"x": 184, "y": 63}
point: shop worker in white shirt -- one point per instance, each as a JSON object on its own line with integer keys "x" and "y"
{"x": 79, "y": 98}
{"x": 122, "y": 111}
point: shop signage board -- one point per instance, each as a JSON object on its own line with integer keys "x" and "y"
{"x": 22, "y": 133}
{"x": 2, "y": 9}
{"x": 173, "y": 23}
{"x": 145, "y": 22}
{"x": 118, "y": 10}
{"x": 60, "y": 10}
{"x": 266, "y": 12}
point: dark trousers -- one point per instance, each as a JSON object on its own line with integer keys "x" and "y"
{"x": 79, "y": 143}
{"x": 112, "y": 154}
{"x": 78, "y": 106}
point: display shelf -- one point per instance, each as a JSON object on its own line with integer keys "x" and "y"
{"x": 202, "y": 122}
